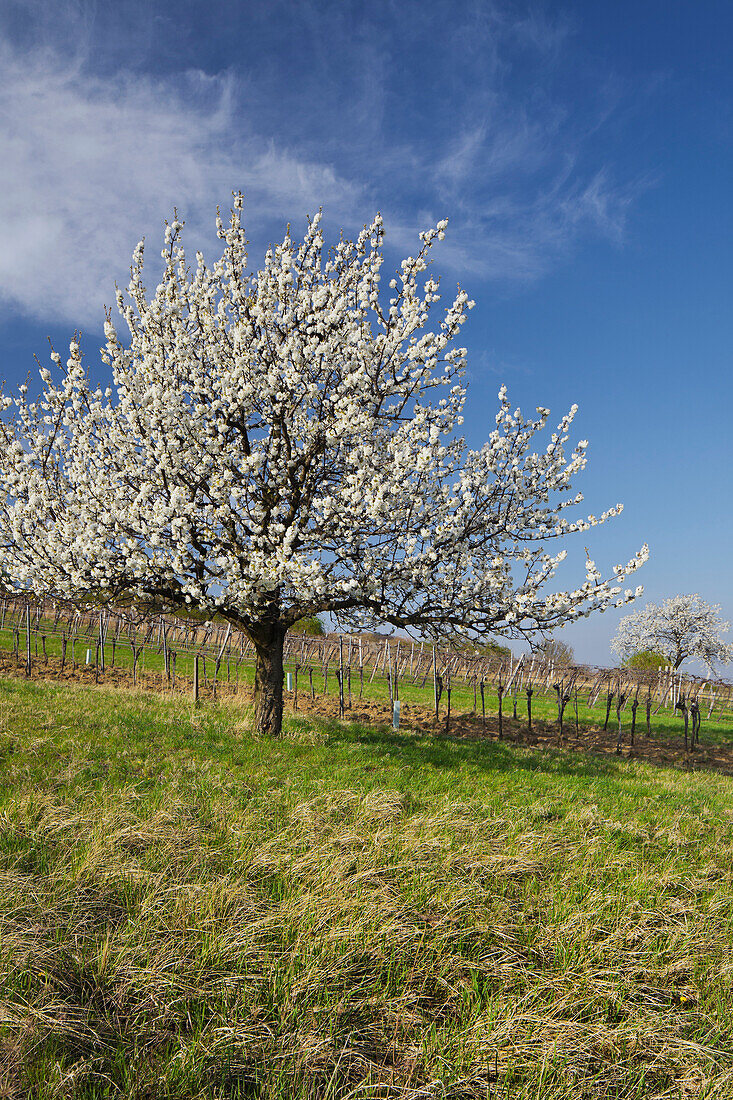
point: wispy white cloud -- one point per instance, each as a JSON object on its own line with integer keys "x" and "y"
{"x": 90, "y": 165}
{"x": 96, "y": 153}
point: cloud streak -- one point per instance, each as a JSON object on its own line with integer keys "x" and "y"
{"x": 94, "y": 159}
{"x": 90, "y": 165}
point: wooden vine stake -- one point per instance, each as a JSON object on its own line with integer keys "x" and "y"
{"x": 101, "y": 641}
{"x": 341, "y": 676}
{"x": 448, "y": 691}
{"x": 609, "y": 700}
{"x": 695, "y": 715}
{"x": 28, "y": 640}
{"x": 681, "y": 704}
{"x": 563, "y": 698}
{"x": 620, "y": 702}
{"x": 390, "y": 679}
{"x": 634, "y": 705}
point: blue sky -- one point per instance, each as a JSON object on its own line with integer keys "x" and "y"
{"x": 582, "y": 153}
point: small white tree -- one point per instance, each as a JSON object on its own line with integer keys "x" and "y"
{"x": 680, "y": 627}
{"x": 282, "y": 443}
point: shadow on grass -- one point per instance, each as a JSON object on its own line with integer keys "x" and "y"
{"x": 591, "y": 756}
{"x": 420, "y": 750}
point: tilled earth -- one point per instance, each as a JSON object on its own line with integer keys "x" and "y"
{"x": 591, "y": 739}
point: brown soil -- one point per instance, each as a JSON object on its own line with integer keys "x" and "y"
{"x": 117, "y": 676}
{"x": 592, "y": 739}
{"x": 462, "y": 726}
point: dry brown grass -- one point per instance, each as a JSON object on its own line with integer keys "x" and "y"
{"x": 202, "y": 931}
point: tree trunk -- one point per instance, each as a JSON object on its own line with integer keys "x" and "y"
{"x": 268, "y": 698}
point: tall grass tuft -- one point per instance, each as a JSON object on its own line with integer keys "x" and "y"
{"x": 189, "y": 912}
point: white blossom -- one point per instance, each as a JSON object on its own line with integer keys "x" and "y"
{"x": 280, "y": 442}
{"x": 679, "y": 628}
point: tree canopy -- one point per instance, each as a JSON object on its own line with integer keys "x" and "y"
{"x": 312, "y": 626}
{"x": 285, "y": 441}
{"x": 679, "y": 628}
{"x": 645, "y": 659}
{"x": 555, "y": 651}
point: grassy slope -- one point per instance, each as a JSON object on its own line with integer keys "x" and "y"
{"x": 186, "y": 911}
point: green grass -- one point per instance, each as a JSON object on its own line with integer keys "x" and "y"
{"x": 665, "y": 724}
{"x": 188, "y": 911}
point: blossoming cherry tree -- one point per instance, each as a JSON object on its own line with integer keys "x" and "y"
{"x": 283, "y": 442}
{"x": 681, "y": 627}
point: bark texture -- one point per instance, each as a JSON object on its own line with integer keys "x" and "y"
{"x": 269, "y": 674}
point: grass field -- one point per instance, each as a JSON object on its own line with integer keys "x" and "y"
{"x": 667, "y": 724}
{"x": 187, "y": 911}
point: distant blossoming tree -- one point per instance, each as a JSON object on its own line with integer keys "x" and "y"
{"x": 281, "y": 443}
{"x": 680, "y": 627}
